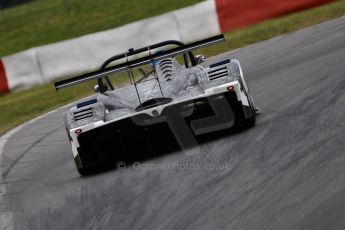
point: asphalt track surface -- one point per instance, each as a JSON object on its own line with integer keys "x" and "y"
{"x": 287, "y": 172}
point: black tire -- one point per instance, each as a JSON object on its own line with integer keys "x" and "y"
{"x": 84, "y": 171}
{"x": 251, "y": 121}
{"x": 251, "y": 104}
{"x": 93, "y": 169}
{"x": 248, "y": 122}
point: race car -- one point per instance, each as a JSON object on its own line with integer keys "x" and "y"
{"x": 173, "y": 97}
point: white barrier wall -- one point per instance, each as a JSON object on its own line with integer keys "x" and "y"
{"x": 23, "y": 70}
{"x": 47, "y": 63}
{"x": 197, "y": 22}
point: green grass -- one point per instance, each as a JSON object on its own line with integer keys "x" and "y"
{"x": 21, "y": 106}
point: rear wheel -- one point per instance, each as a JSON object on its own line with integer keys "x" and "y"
{"x": 94, "y": 169}
{"x": 251, "y": 121}
{"x": 250, "y": 117}
{"x": 86, "y": 171}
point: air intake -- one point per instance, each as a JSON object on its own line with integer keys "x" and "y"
{"x": 166, "y": 68}
{"x": 83, "y": 114}
{"x": 218, "y": 73}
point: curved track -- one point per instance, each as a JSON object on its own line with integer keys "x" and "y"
{"x": 287, "y": 172}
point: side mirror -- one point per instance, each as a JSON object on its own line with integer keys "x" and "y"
{"x": 96, "y": 88}
{"x": 199, "y": 59}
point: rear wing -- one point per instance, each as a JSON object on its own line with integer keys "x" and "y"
{"x": 103, "y": 72}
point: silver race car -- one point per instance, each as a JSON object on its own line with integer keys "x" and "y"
{"x": 173, "y": 98}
